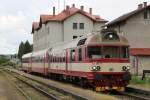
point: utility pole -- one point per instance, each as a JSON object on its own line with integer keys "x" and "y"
{"x": 64, "y": 4}
{"x": 58, "y": 6}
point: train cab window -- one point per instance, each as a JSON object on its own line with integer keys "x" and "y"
{"x": 124, "y": 52}
{"x": 110, "y": 52}
{"x": 72, "y": 55}
{"x": 80, "y": 54}
{"x": 111, "y": 36}
{"x": 94, "y": 52}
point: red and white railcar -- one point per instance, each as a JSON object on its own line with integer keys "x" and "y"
{"x": 99, "y": 60}
{"x": 26, "y": 62}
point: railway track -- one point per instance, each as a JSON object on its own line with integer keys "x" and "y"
{"x": 138, "y": 94}
{"x": 29, "y": 91}
{"x": 132, "y": 94}
{"x": 51, "y": 92}
{"x": 129, "y": 94}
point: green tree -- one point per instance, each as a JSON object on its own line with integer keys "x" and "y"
{"x": 21, "y": 50}
{"x": 27, "y": 47}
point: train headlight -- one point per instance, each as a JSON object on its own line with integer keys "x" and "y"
{"x": 126, "y": 68}
{"x": 96, "y": 68}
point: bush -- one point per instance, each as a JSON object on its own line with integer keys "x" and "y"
{"x": 3, "y": 60}
{"x": 138, "y": 80}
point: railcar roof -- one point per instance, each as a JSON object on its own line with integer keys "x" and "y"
{"x": 41, "y": 52}
{"x": 91, "y": 39}
{"x": 27, "y": 55}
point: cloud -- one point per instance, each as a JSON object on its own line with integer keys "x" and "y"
{"x": 16, "y": 16}
{"x": 13, "y": 30}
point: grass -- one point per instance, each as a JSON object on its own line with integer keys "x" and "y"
{"x": 3, "y": 60}
{"x": 137, "y": 80}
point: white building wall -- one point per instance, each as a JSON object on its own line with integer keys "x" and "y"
{"x": 98, "y": 26}
{"x": 137, "y": 31}
{"x": 58, "y": 31}
{"x": 69, "y": 32}
{"x": 55, "y": 34}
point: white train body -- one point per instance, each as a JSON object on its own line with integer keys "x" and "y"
{"x": 100, "y": 60}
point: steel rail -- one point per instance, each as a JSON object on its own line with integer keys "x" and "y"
{"x": 74, "y": 95}
{"x": 52, "y": 97}
{"x": 39, "y": 89}
{"x": 18, "y": 88}
{"x": 137, "y": 97}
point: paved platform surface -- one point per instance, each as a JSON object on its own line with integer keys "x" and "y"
{"x": 7, "y": 91}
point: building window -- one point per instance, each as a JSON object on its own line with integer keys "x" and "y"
{"x": 81, "y": 25}
{"x": 145, "y": 15}
{"x": 75, "y": 26}
{"x": 74, "y": 37}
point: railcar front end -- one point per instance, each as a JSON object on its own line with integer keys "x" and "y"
{"x": 110, "y": 67}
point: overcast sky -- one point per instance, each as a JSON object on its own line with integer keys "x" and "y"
{"x": 16, "y": 16}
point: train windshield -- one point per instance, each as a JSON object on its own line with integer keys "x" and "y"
{"x": 97, "y": 52}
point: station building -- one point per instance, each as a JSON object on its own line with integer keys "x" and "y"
{"x": 135, "y": 26}
{"x": 65, "y": 26}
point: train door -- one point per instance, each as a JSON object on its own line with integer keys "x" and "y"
{"x": 46, "y": 63}
{"x": 67, "y": 58}
{"x": 49, "y": 61}
{"x": 83, "y": 53}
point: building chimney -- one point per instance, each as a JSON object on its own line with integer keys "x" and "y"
{"x": 82, "y": 8}
{"x": 145, "y": 4}
{"x": 90, "y": 11}
{"x": 53, "y": 11}
{"x": 73, "y": 5}
{"x": 67, "y": 7}
{"x": 140, "y": 6}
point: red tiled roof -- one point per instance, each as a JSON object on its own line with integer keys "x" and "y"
{"x": 35, "y": 26}
{"x": 140, "y": 51}
{"x": 126, "y": 16}
{"x": 64, "y": 15}
{"x": 71, "y": 11}
{"x": 44, "y": 18}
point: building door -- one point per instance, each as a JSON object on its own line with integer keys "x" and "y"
{"x": 135, "y": 64}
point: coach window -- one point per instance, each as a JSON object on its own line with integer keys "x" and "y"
{"x": 80, "y": 54}
{"x": 64, "y": 59}
{"x": 72, "y": 55}
{"x": 54, "y": 59}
